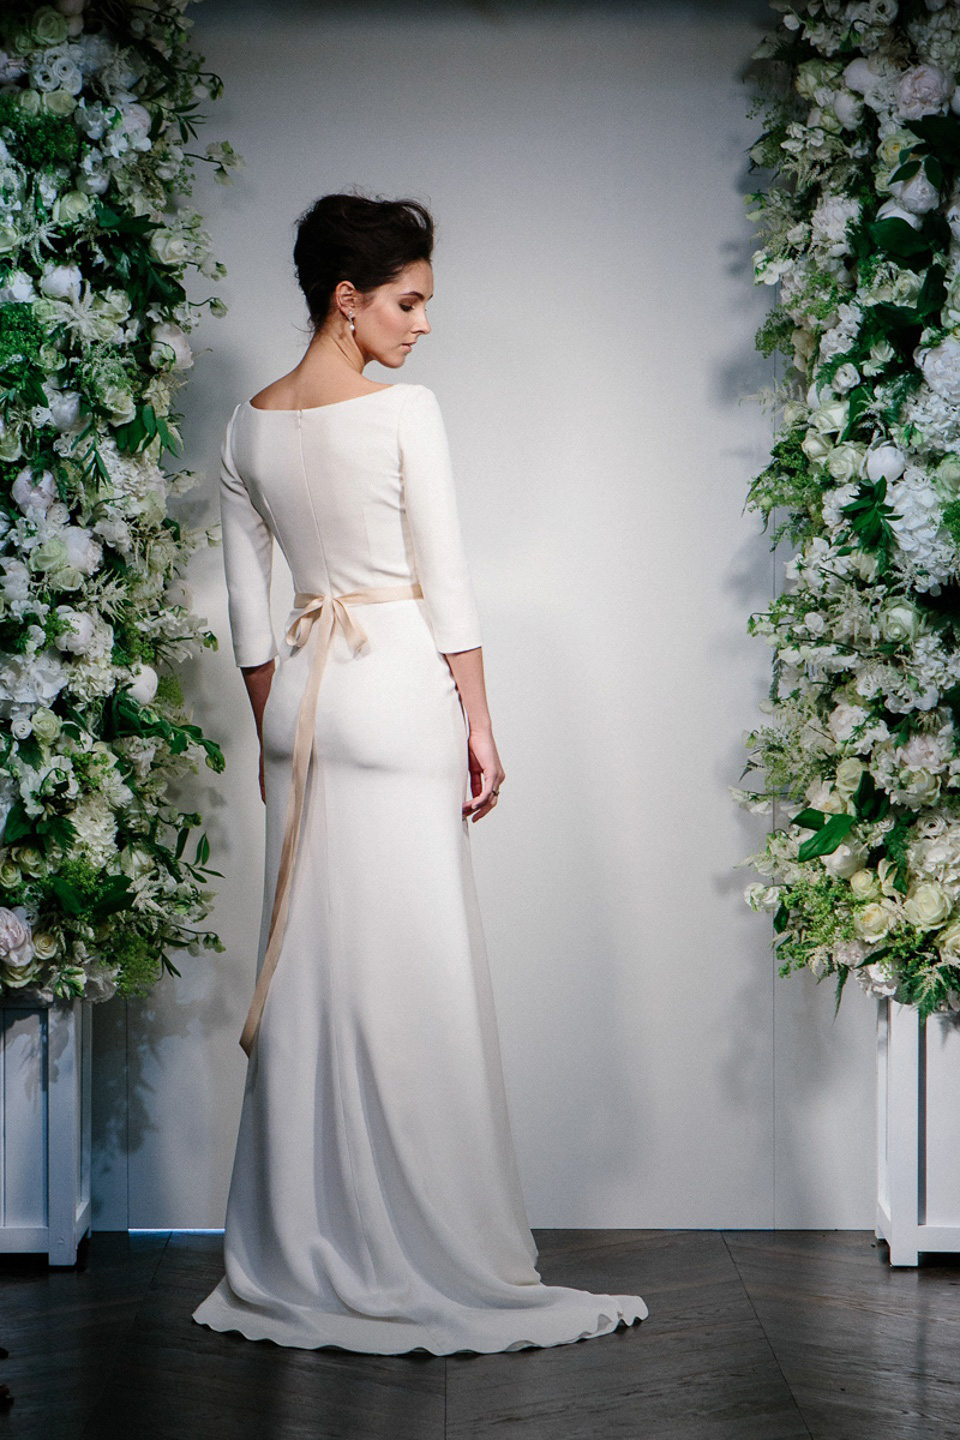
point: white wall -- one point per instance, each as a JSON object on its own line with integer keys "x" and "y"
{"x": 592, "y": 339}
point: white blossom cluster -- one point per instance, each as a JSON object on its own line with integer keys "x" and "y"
{"x": 97, "y": 110}
{"x": 860, "y": 736}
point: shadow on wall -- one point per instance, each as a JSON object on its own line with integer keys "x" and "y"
{"x": 494, "y": 11}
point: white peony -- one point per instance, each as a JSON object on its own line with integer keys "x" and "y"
{"x": 917, "y": 194}
{"x": 143, "y": 686}
{"x": 61, "y": 282}
{"x": 170, "y": 349}
{"x": 34, "y": 493}
{"x": 77, "y": 639}
{"x": 16, "y": 940}
{"x": 885, "y": 462}
{"x": 923, "y": 90}
{"x": 84, "y": 553}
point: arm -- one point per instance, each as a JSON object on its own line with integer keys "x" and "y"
{"x": 248, "y": 565}
{"x": 486, "y": 771}
{"x": 258, "y": 679}
{"x": 432, "y": 516}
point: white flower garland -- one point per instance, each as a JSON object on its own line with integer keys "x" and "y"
{"x": 98, "y": 102}
{"x": 860, "y": 226}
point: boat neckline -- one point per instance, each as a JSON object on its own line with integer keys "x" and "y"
{"x": 309, "y": 409}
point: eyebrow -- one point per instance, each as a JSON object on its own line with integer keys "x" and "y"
{"x": 419, "y": 294}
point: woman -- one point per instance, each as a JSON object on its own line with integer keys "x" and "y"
{"x": 375, "y": 1203}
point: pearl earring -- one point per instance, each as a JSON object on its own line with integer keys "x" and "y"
{"x": 353, "y": 328}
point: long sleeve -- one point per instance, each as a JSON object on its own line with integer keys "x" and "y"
{"x": 431, "y": 507}
{"x": 247, "y": 562}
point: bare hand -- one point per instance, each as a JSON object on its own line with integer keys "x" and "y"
{"x": 486, "y": 774}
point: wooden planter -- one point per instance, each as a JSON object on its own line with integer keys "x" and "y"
{"x": 45, "y": 1055}
{"x": 918, "y": 1132}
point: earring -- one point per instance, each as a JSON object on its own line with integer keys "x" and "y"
{"x": 353, "y": 328}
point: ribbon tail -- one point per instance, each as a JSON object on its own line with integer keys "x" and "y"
{"x": 302, "y": 755}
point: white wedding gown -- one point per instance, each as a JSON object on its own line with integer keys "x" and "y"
{"x": 375, "y": 1202}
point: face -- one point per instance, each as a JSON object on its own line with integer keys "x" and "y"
{"x": 391, "y": 319}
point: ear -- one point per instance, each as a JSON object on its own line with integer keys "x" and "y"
{"x": 345, "y": 297}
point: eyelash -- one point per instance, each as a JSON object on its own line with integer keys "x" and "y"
{"x": 406, "y": 307}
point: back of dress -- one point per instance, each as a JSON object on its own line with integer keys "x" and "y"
{"x": 358, "y": 493}
{"x": 375, "y": 1201}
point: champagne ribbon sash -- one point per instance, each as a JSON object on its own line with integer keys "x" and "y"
{"x": 326, "y": 612}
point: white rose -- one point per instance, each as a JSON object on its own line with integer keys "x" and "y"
{"x": 875, "y": 921}
{"x": 16, "y": 941}
{"x": 844, "y": 461}
{"x": 843, "y": 862}
{"x": 846, "y": 377}
{"x": 928, "y": 907}
{"x": 143, "y": 686}
{"x": 849, "y": 773}
{"x": 923, "y": 90}
{"x": 45, "y": 945}
{"x": 816, "y": 447}
{"x": 900, "y": 621}
{"x": 61, "y": 282}
{"x": 31, "y": 493}
{"x": 865, "y": 885}
{"x": 830, "y": 416}
{"x": 21, "y": 727}
{"x": 885, "y": 462}
{"x": 948, "y": 942}
{"x": 170, "y": 349}
{"x": 169, "y": 248}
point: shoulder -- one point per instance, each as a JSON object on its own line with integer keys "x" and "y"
{"x": 417, "y": 400}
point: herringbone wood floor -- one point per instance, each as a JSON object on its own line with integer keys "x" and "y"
{"x": 752, "y": 1335}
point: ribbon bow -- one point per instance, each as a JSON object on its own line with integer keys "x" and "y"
{"x": 326, "y": 612}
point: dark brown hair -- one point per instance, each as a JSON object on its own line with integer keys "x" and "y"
{"x": 351, "y": 237}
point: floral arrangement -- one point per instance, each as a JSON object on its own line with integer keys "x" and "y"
{"x": 860, "y": 230}
{"x": 98, "y": 102}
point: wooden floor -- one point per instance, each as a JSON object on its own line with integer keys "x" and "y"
{"x": 752, "y": 1335}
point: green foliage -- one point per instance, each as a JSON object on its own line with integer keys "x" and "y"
{"x": 40, "y": 142}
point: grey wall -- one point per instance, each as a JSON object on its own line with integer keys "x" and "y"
{"x": 592, "y": 339}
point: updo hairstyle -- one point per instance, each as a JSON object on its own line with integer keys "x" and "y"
{"x": 350, "y": 237}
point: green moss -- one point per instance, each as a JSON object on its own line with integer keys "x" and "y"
{"x": 40, "y": 142}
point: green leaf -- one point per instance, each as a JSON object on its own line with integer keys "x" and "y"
{"x": 69, "y": 897}
{"x": 114, "y": 896}
{"x": 898, "y": 237}
{"x": 810, "y": 819}
{"x": 18, "y": 823}
{"x": 827, "y": 839}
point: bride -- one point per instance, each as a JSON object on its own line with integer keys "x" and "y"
{"x": 375, "y": 1202}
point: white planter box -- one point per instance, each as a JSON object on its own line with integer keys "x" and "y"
{"x": 45, "y": 1056}
{"x": 918, "y": 1132}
